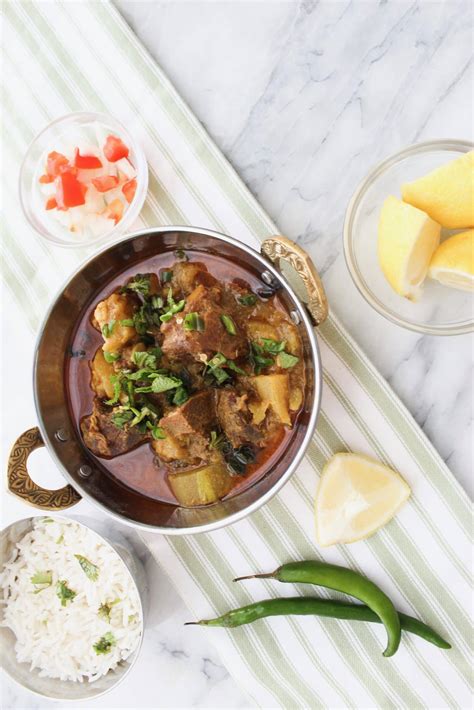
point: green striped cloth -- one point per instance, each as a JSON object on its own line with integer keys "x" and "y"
{"x": 67, "y": 56}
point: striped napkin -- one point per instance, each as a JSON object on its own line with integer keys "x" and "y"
{"x": 421, "y": 559}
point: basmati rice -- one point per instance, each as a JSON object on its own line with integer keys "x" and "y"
{"x": 80, "y": 616}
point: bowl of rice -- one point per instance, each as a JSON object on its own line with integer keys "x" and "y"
{"x": 72, "y": 607}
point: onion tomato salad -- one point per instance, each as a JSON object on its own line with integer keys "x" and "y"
{"x": 87, "y": 187}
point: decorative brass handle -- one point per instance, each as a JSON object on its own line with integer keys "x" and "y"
{"x": 278, "y": 247}
{"x": 22, "y": 486}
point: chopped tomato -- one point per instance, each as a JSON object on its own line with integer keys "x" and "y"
{"x": 46, "y": 178}
{"x": 129, "y": 189}
{"x": 115, "y": 210}
{"x": 56, "y": 163}
{"x": 86, "y": 162}
{"x": 103, "y": 183}
{"x": 69, "y": 191}
{"x": 115, "y": 149}
{"x": 51, "y": 203}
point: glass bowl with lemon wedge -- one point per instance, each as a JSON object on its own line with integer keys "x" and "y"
{"x": 409, "y": 238}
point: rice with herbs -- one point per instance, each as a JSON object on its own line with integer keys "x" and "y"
{"x": 70, "y": 601}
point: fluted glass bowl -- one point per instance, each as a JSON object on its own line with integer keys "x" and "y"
{"x": 440, "y": 310}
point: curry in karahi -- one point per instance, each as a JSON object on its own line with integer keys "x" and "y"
{"x": 190, "y": 380}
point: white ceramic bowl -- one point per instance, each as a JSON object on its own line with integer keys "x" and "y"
{"x": 66, "y": 129}
{"x": 440, "y": 310}
{"x": 52, "y": 687}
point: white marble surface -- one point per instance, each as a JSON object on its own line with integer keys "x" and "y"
{"x": 303, "y": 97}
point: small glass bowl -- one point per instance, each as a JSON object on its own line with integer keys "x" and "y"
{"x": 440, "y": 310}
{"x": 68, "y": 130}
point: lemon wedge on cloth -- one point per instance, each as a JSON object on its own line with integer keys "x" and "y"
{"x": 453, "y": 262}
{"x": 446, "y": 194}
{"x": 356, "y": 496}
{"x": 406, "y": 242}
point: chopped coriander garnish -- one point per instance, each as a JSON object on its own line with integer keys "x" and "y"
{"x": 42, "y": 578}
{"x": 108, "y": 328}
{"x": 232, "y": 366}
{"x": 116, "y": 381}
{"x": 105, "y": 609}
{"x": 111, "y": 357}
{"x": 249, "y": 299}
{"x": 229, "y": 324}
{"x": 161, "y": 383}
{"x": 193, "y": 321}
{"x": 89, "y": 568}
{"x": 157, "y": 432}
{"x": 127, "y": 323}
{"x": 147, "y": 359}
{"x": 217, "y": 440}
{"x": 140, "y": 284}
{"x": 122, "y": 417}
{"x": 180, "y": 396}
{"x": 173, "y": 307}
{"x": 257, "y": 358}
{"x": 105, "y": 643}
{"x": 181, "y": 254}
{"x": 64, "y": 593}
{"x": 166, "y": 275}
{"x": 286, "y": 360}
{"x": 272, "y": 346}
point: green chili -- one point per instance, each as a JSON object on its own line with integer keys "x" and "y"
{"x": 347, "y": 581}
{"x": 317, "y": 607}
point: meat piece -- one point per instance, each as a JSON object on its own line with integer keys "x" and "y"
{"x": 109, "y": 313}
{"x": 180, "y": 343}
{"x": 189, "y": 426}
{"x": 194, "y": 417}
{"x": 189, "y": 274}
{"x": 101, "y": 372}
{"x": 235, "y": 419}
{"x": 103, "y": 437}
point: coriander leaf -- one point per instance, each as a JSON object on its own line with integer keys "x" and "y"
{"x": 217, "y": 440}
{"x": 107, "y": 329}
{"x": 89, "y": 568}
{"x": 181, "y": 396}
{"x": 105, "y": 643}
{"x": 116, "y": 381}
{"x": 193, "y": 321}
{"x": 229, "y": 324}
{"x": 286, "y": 360}
{"x": 181, "y": 254}
{"x": 272, "y": 346}
{"x": 64, "y": 593}
{"x": 232, "y": 366}
{"x": 43, "y": 577}
{"x": 105, "y": 609}
{"x": 140, "y": 284}
{"x": 162, "y": 383}
{"x": 218, "y": 360}
{"x": 249, "y": 299}
{"x": 111, "y": 357}
{"x": 127, "y": 323}
{"x": 157, "y": 432}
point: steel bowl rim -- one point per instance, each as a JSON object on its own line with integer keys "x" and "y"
{"x": 315, "y": 356}
{"x": 142, "y": 612}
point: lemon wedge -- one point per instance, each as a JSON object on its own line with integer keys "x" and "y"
{"x": 446, "y": 194}
{"x": 355, "y": 497}
{"x": 453, "y": 262}
{"x": 406, "y": 242}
